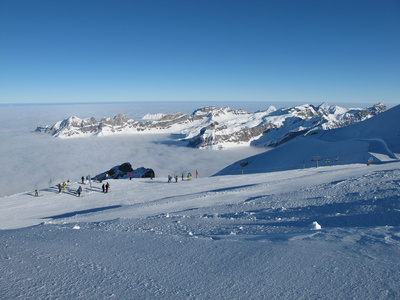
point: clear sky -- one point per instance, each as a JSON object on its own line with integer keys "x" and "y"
{"x": 195, "y": 50}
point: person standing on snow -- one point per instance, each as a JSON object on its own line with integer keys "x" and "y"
{"x": 104, "y": 188}
{"x": 83, "y": 180}
{"x": 130, "y": 176}
{"x": 79, "y": 191}
{"x": 59, "y": 188}
{"x": 36, "y": 193}
{"x": 107, "y": 187}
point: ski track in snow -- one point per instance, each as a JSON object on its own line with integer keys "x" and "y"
{"x": 239, "y": 237}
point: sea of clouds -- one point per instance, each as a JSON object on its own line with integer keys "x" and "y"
{"x": 30, "y": 160}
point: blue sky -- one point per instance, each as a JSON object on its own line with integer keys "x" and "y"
{"x": 199, "y": 50}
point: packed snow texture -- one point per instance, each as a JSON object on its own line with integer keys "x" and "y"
{"x": 240, "y": 237}
{"x": 331, "y": 232}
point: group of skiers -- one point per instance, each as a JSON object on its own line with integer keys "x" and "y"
{"x": 78, "y": 192}
{"x": 170, "y": 178}
{"x": 88, "y": 179}
{"x": 189, "y": 177}
{"x": 105, "y": 187}
{"x": 62, "y": 186}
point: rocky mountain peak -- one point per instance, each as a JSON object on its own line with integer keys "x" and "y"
{"x": 217, "y": 128}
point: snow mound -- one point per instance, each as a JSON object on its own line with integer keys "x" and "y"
{"x": 315, "y": 226}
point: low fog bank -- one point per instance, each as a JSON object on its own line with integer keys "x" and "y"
{"x": 29, "y": 160}
{"x": 33, "y": 161}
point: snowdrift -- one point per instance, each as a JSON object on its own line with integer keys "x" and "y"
{"x": 376, "y": 139}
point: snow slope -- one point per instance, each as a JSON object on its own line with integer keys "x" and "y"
{"x": 377, "y": 138}
{"x": 239, "y": 237}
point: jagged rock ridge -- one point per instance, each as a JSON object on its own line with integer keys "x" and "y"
{"x": 217, "y": 128}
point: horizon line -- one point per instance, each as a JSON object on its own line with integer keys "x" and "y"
{"x": 177, "y": 101}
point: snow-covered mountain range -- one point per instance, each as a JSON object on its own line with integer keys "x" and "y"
{"x": 376, "y": 140}
{"x": 217, "y": 128}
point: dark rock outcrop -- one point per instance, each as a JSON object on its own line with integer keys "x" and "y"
{"x": 123, "y": 171}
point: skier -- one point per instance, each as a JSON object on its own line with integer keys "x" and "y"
{"x": 130, "y": 176}
{"x": 64, "y": 185}
{"x": 36, "y": 193}
{"x": 197, "y": 173}
{"x": 176, "y": 178}
{"x": 104, "y": 188}
{"x": 79, "y": 191}
{"x": 169, "y": 178}
{"x": 83, "y": 180}
{"x": 59, "y": 188}
{"x": 182, "y": 176}
{"x": 107, "y": 187}
{"x": 189, "y": 176}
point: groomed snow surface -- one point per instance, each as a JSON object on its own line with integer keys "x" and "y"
{"x": 319, "y": 233}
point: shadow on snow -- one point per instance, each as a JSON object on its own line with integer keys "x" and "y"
{"x": 82, "y": 212}
{"x": 362, "y": 213}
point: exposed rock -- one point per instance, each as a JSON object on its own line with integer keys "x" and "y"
{"x": 123, "y": 171}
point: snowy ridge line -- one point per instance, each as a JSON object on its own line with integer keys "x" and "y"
{"x": 218, "y": 128}
{"x": 309, "y": 164}
{"x": 373, "y": 141}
